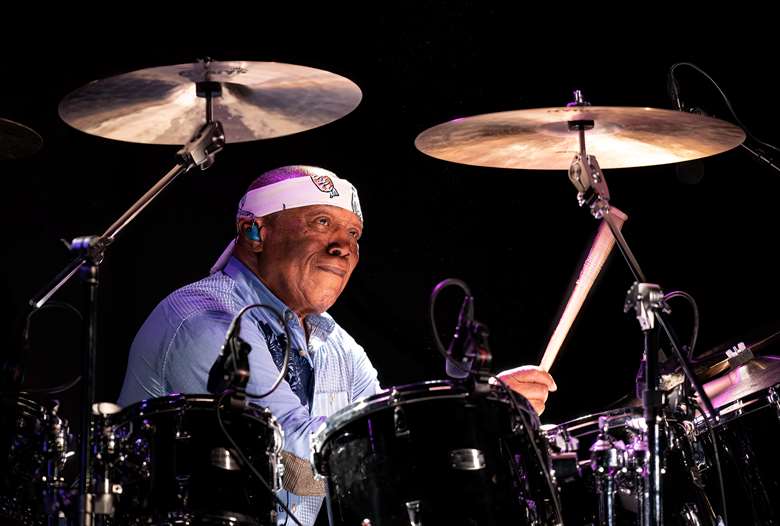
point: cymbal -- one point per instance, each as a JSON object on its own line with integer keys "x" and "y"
{"x": 17, "y": 140}
{"x": 259, "y": 100}
{"x": 540, "y": 139}
{"x": 715, "y": 361}
{"x": 753, "y": 376}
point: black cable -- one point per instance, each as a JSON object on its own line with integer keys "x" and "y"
{"x": 721, "y": 484}
{"x": 285, "y": 363}
{"x": 722, "y": 94}
{"x": 245, "y": 461}
{"x": 691, "y": 349}
{"x": 695, "y": 308}
{"x": 521, "y": 412}
{"x": 468, "y": 299}
{"x": 26, "y": 346}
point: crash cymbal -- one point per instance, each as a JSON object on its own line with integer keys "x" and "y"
{"x": 540, "y": 139}
{"x": 753, "y": 376}
{"x": 259, "y": 100}
{"x": 17, "y": 140}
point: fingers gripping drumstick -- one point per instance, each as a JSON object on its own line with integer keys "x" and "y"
{"x": 599, "y": 251}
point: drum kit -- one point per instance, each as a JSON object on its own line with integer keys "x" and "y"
{"x": 701, "y": 449}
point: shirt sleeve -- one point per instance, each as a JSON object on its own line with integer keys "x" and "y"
{"x": 364, "y": 376}
{"x": 197, "y": 345}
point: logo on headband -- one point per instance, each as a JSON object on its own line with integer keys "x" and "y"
{"x": 324, "y": 184}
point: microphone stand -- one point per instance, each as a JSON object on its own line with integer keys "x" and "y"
{"x": 647, "y": 300}
{"x": 90, "y": 251}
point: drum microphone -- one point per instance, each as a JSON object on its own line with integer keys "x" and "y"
{"x": 460, "y": 353}
{"x": 231, "y": 368}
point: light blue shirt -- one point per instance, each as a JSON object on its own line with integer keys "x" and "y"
{"x": 182, "y": 337}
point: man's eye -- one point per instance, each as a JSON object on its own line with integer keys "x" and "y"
{"x": 324, "y": 221}
{"x": 355, "y": 234}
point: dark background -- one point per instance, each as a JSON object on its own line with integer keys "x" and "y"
{"x": 516, "y": 237}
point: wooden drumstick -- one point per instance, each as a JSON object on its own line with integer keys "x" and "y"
{"x": 599, "y": 251}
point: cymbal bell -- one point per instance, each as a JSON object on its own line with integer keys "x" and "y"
{"x": 17, "y": 140}
{"x": 259, "y": 100}
{"x": 540, "y": 138}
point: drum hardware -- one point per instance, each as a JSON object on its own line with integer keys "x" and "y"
{"x": 774, "y": 399}
{"x": 35, "y": 441}
{"x": 608, "y": 459}
{"x": 647, "y": 301}
{"x": 413, "y": 507}
{"x": 468, "y": 459}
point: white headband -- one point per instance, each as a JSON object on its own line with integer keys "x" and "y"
{"x": 321, "y": 187}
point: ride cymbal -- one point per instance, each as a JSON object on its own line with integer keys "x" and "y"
{"x": 540, "y": 139}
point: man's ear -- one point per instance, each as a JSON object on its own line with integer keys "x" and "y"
{"x": 250, "y": 234}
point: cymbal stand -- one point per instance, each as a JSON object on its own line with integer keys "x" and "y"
{"x": 90, "y": 251}
{"x": 647, "y": 300}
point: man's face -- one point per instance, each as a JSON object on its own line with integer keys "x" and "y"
{"x": 308, "y": 255}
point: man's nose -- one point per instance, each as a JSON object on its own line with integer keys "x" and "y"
{"x": 341, "y": 244}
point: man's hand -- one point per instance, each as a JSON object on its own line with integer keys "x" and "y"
{"x": 532, "y": 382}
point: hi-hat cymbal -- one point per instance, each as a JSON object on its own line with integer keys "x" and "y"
{"x": 17, "y": 140}
{"x": 259, "y": 100}
{"x": 540, "y": 139}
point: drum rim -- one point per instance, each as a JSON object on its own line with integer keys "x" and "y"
{"x": 738, "y": 408}
{"x": 394, "y": 396}
{"x": 591, "y": 419}
{"x": 178, "y": 401}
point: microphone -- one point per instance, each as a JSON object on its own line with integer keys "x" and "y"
{"x": 674, "y": 91}
{"x": 460, "y": 353}
{"x": 687, "y": 172}
{"x": 231, "y": 368}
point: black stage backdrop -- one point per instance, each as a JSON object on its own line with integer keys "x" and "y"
{"x": 517, "y": 237}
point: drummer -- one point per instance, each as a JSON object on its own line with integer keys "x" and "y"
{"x": 296, "y": 247}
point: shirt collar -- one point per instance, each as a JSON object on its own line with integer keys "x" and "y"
{"x": 251, "y": 289}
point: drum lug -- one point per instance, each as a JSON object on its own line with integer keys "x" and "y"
{"x": 399, "y": 422}
{"x": 278, "y": 468}
{"x": 413, "y": 509}
{"x": 774, "y": 399}
{"x": 690, "y": 515}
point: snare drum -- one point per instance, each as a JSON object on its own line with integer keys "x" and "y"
{"x": 168, "y": 462}
{"x": 32, "y": 459}
{"x": 435, "y": 453}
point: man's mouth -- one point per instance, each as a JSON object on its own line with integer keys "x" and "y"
{"x": 340, "y": 272}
